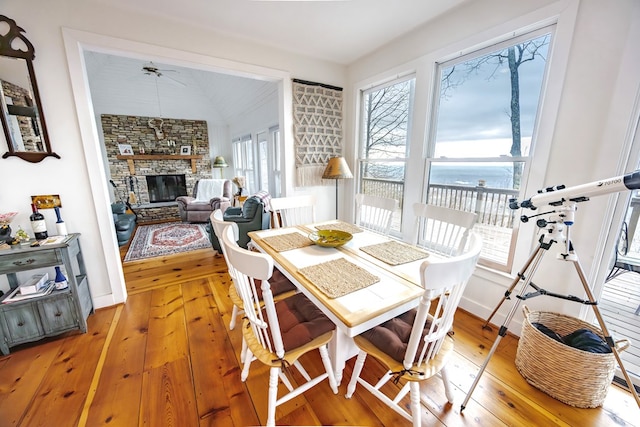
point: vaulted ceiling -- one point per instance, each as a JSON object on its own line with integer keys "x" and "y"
{"x": 120, "y": 85}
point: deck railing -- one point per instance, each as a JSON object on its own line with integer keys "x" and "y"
{"x": 389, "y": 188}
{"x": 491, "y": 204}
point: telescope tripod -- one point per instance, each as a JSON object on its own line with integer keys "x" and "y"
{"x": 555, "y": 234}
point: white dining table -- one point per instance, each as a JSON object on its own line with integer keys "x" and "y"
{"x": 397, "y": 291}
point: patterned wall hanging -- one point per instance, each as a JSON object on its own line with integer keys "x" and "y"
{"x": 317, "y": 129}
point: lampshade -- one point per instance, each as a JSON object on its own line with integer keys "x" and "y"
{"x": 219, "y": 162}
{"x": 337, "y": 168}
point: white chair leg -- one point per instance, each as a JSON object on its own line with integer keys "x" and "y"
{"x": 234, "y": 316}
{"x": 447, "y": 384}
{"x": 248, "y": 358}
{"x": 403, "y": 391}
{"x": 243, "y": 351}
{"x": 357, "y": 368}
{"x": 285, "y": 380}
{"x": 326, "y": 361}
{"x": 416, "y": 410}
{"x": 273, "y": 396}
{"x": 385, "y": 379}
{"x": 302, "y": 371}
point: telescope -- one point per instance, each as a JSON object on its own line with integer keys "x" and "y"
{"x": 556, "y": 196}
{"x": 557, "y": 225}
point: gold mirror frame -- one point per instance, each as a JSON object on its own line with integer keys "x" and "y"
{"x": 15, "y": 45}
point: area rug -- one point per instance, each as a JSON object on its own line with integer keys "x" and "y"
{"x": 166, "y": 239}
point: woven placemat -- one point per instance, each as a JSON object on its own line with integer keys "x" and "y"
{"x": 286, "y": 242}
{"x": 395, "y": 253}
{"x": 341, "y": 226}
{"x": 338, "y": 277}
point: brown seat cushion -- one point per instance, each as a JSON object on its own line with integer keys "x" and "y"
{"x": 300, "y": 321}
{"x": 278, "y": 282}
{"x": 392, "y": 336}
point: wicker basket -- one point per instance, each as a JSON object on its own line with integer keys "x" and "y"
{"x": 576, "y": 377}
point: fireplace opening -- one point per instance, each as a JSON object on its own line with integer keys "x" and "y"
{"x": 165, "y": 188}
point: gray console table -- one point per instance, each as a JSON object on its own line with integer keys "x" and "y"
{"x": 52, "y": 314}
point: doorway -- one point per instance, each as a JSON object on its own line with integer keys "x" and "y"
{"x": 77, "y": 43}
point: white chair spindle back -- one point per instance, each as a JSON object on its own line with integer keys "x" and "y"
{"x": 295, "y": 210}
{"x": 442, "y": 230}
{"x": 375, "y": 213}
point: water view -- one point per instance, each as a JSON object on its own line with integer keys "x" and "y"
{"x": 495, "y": 176}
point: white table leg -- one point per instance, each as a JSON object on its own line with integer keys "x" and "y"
{"x": 341, "y": 348}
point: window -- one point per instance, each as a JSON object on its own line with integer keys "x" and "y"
{"x": 384, "y": 145}
{"x": 243, "y": 161}
{"x": 482, "y": 135}
{"x": 259, "y": 161}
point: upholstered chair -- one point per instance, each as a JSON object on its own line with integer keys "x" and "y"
{"x": 124, "y": 222}
{"x": 208, "y": 195}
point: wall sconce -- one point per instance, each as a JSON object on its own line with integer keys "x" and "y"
{"x": 220, "y": 163}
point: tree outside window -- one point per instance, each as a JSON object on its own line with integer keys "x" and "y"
{"x": 386, "y": 114}
{"x": 483, "y": 135}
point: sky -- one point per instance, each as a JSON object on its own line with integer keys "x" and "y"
{"x": 478, "y": 109}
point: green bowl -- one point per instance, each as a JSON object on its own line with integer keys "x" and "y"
{"x": 330, "y": 238}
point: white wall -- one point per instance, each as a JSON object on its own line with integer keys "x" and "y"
{"x": 261, "y": 118}
{"x": 78, "y": 177}
{"x": 595, "y": 71}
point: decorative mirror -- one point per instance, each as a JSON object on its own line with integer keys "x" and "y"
{"x": 20, "y": 108}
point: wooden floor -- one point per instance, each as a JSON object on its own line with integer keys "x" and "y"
{"x": 618, "y": 303}
{"x": 168, "y": 358}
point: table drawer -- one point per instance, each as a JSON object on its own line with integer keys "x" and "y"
{"x": 58, "y": 313}
{"x": 22, "y": 323}
{"x": 18, "y": 262}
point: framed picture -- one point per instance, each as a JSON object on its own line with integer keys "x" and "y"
{"x": 125, "y": 149}
{"x": 185, "y": 150}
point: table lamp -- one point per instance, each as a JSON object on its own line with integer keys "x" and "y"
{"x": 337, "y": 168}
{"x": 220, "y": 163}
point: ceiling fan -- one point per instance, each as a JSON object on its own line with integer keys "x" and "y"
{"x": 150, "y": 69}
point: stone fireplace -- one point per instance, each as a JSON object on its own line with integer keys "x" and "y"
{"x": 154, "y": 157}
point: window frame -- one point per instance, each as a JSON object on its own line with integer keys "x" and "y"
{"x": 361, "y": 160}
{"x": 248, "y": 162}
{"x": 468, "y": 54}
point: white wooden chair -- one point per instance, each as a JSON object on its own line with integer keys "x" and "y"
{"x": 294, "y": 210}
{"x": 283, "y": 331}
{"x": 375, "y": 213}
{"x": 219, "y": 225}
{"x": 280, "y": 288}
{"x": 416, "y": 345}
{"x": 442, "y": 230}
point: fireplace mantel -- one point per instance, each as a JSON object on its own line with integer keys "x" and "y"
{"x": 132, "y": 158}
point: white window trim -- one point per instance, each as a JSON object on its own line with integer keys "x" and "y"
{"x": 359, "y": 159}
{"x": 477, "y": 52}
{"x": 563, "y": 15}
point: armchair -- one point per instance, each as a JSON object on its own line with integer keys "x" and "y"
{"x": 250, "y": 217}
{"x": 208, "y": 195}
{"x": 125, "y": 223}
